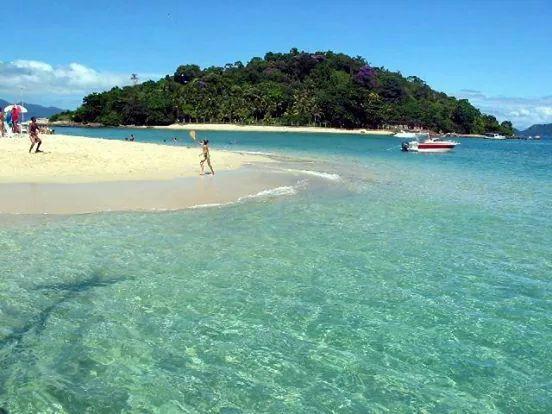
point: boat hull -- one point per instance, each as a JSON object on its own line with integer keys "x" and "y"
{"x": 429, "y": 146}
{"x": 435, "y": 148}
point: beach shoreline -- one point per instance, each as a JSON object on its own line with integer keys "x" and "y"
{"x": 267, "y": 128}
{"x": 244, "y": 128}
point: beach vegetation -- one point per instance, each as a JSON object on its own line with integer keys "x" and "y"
{"x": 296, "y": 88}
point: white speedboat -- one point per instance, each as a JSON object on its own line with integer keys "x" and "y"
{"x": 494, "y": 136}
{"x": 429, "y": 145}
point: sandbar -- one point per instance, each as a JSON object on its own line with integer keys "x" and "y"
{"x": 73, "y": 159}
{"x": 78, "y": 175}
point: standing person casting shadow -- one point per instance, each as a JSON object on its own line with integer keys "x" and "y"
{"x": 206, "y": 157}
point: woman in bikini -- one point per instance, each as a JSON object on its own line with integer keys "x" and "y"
{"x": 206, "y": 157}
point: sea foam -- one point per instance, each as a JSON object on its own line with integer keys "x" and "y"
{"x": 321, "y": 174}
{"x": 209, "y": 205}
{"x": 272, "y": 192}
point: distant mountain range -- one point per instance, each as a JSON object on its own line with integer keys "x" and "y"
{"x": 544, "y": 130}
{"x": 35, "y": 110}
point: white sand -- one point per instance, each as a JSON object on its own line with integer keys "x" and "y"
{"x": 260, "y": 128}
{"x": 69, "y": 159}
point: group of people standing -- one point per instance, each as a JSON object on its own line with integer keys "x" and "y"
{"x": 12, "y": 118}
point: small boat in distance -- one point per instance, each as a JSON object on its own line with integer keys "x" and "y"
{"x": 494, "y": 135}
{"x": 429, "y": 145}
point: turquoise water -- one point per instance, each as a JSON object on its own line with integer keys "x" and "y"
{"x": 415, "y": 283}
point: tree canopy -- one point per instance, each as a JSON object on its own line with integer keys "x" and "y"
{"x": 295, "y": 88}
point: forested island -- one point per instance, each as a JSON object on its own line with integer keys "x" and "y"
{"x": 296, "y": 88}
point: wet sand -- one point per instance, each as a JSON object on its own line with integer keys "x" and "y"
{"x": 159, "y": 195}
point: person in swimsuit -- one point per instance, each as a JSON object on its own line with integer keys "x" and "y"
{"x": 33, "y": 134}
{"x": 206, "y": 157}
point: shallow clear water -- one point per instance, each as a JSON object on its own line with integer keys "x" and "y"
{"x": 415, "y": 283}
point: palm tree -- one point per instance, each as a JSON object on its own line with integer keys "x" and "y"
{"x": 134, "y": 78}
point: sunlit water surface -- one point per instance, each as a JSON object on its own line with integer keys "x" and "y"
{"x": 413, "y": 283}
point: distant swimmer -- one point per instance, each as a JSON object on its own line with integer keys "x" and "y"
{"x": 131, "y": 137}
{"x": 33, "y": 134}
{"x": 206, "y": 157}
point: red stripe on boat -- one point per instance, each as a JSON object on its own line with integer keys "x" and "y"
{"x": 435, "y": 146}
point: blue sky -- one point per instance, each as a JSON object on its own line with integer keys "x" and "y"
{"x": 496, "y": 53}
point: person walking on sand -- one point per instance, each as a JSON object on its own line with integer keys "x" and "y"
{"x": 33, "y": 134}
{"x": 206, "y": 157}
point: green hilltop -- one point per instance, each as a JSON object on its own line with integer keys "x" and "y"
{"x": 295, "y": 88}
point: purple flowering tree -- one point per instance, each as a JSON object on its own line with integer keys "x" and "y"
{"x": 366, "y": 76}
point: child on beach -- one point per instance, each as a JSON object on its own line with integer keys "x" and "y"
{"x": 33, "y": 134}
{"x": 206, "y": 157}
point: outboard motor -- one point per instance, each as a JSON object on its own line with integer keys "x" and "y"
{"x": 404, "y": 146}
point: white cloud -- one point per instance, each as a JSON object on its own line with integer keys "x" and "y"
{"x": 523, "y": 112}
{"x": 40, "y": 79}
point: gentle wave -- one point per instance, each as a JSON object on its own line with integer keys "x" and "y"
{"x": 273, "y": 192}
{"x": 210, "y": 205}
{"x": 325, "y": 175}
